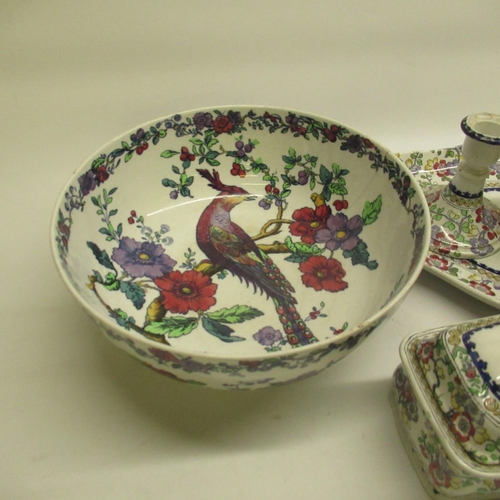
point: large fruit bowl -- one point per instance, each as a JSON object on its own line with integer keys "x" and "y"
{"x": 240, "y": 247}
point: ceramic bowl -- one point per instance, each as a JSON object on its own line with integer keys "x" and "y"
{"x": 447, "y": 405}
{"x": 240, "y": 247}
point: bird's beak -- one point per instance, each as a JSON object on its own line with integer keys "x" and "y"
{"x": 251, "y": 197}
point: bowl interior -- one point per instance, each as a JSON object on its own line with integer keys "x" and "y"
{"x": 317, "y": 230}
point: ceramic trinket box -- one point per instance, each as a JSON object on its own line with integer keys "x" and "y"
{"x": 446, "y": 402}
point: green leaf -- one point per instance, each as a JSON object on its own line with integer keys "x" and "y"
{"x": 235, "y": 314}
{"x": 450, "y": 225}
{"x": 312, "y": 183}
{"x": 98, "y": 162}
{"x": 285, "y": 193}
{"x": 358, "y": 255}
{"x": 325, "y": 175}
{"x": 490, "y": 447}
{"x": 175, "y": 170}
{"x": 175, "y": 326}
{"x": 212, "y": 155}
{"x": 111, "y": 282}
{"x": 98, "y": 276}
{"x": 101, "y": 255}
{"x": 134, "y": 293}
{"x": 196, "y": 141}
{"x": 327, "y": 193}
{"x": 169, "y": 183}
{"x": 219, "y": 330}
{"x": 185, "y": 192}
{"x": 169, "y": 153}
{"x": 337, "y": 188}
{"x": 302, "y": 249}
{"x": 213, "y": 163}
{"x": 292, "y": 152}
{"x": 296, "y": 258}
{"x": 372, "y": 210}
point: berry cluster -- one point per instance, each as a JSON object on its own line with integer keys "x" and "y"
{"x": 237, "y": 169}
{"x": 340, "y": 205}
{"x": 242, "y": 149}
{"x": 186, "y": 155}
{"x": 133, "y": 215}
{"x": 141, "y": 148}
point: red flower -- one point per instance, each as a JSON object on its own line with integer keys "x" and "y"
{"x": 439, "y": 476}
{"x": 223, "y": 124}
{"x": 435, "y": 260}
{"x": 321, "y": 273}
{"x": 309, "y": 222}
{"x": 188, "y": 291}
{"x": 164, "y": 355}
{"x": 482, "y": 287}
{"x": 426, "y": 351}
{"x": 101, "y": 174}
{"x": 462, "y": 426}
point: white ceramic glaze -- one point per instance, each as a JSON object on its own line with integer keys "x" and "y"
{"x": 240, "y": 247}
{"x": 479, "y": 277}
{"x": 446, "y": 413}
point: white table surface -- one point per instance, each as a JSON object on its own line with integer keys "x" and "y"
{"x": 79, "y": 419}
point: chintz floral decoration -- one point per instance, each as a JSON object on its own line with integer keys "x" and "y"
{"x": 481, "y": 277}
{"x": 448, "y": 411}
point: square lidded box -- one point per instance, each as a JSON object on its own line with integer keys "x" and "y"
{"x": 446, "y": 403}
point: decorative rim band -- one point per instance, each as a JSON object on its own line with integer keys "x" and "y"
{"x": 474, "y": 134}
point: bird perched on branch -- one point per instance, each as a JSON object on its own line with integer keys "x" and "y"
{"x": 228, "y": 246}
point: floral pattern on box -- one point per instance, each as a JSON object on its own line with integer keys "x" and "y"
{"x": 434, "y": 439}
{"x": 439, "y": 474}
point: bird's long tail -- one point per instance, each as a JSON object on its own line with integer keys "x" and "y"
{"x": 294, "y": 326}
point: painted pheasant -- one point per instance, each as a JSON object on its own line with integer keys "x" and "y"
{"x": 228, "y": 246}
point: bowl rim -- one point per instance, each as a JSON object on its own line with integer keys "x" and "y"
{"x": 304, "y": 349}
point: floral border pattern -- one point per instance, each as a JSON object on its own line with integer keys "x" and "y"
{"x": 247, "y": 373}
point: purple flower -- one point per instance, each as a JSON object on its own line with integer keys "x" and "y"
{"x": 340, "y": 232}
{"x": 354, "y": 143}
{"x": 193, "y": 366}
{"x": 142, "y": 259}
{"x": 488, "y": 219}
{"x": 268, "y": 336}
{"x": 235, "y": 117}
{"x": 202, "y": 120}
{"x": 87, "y": 182}
{"x": 480, "y": 246}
